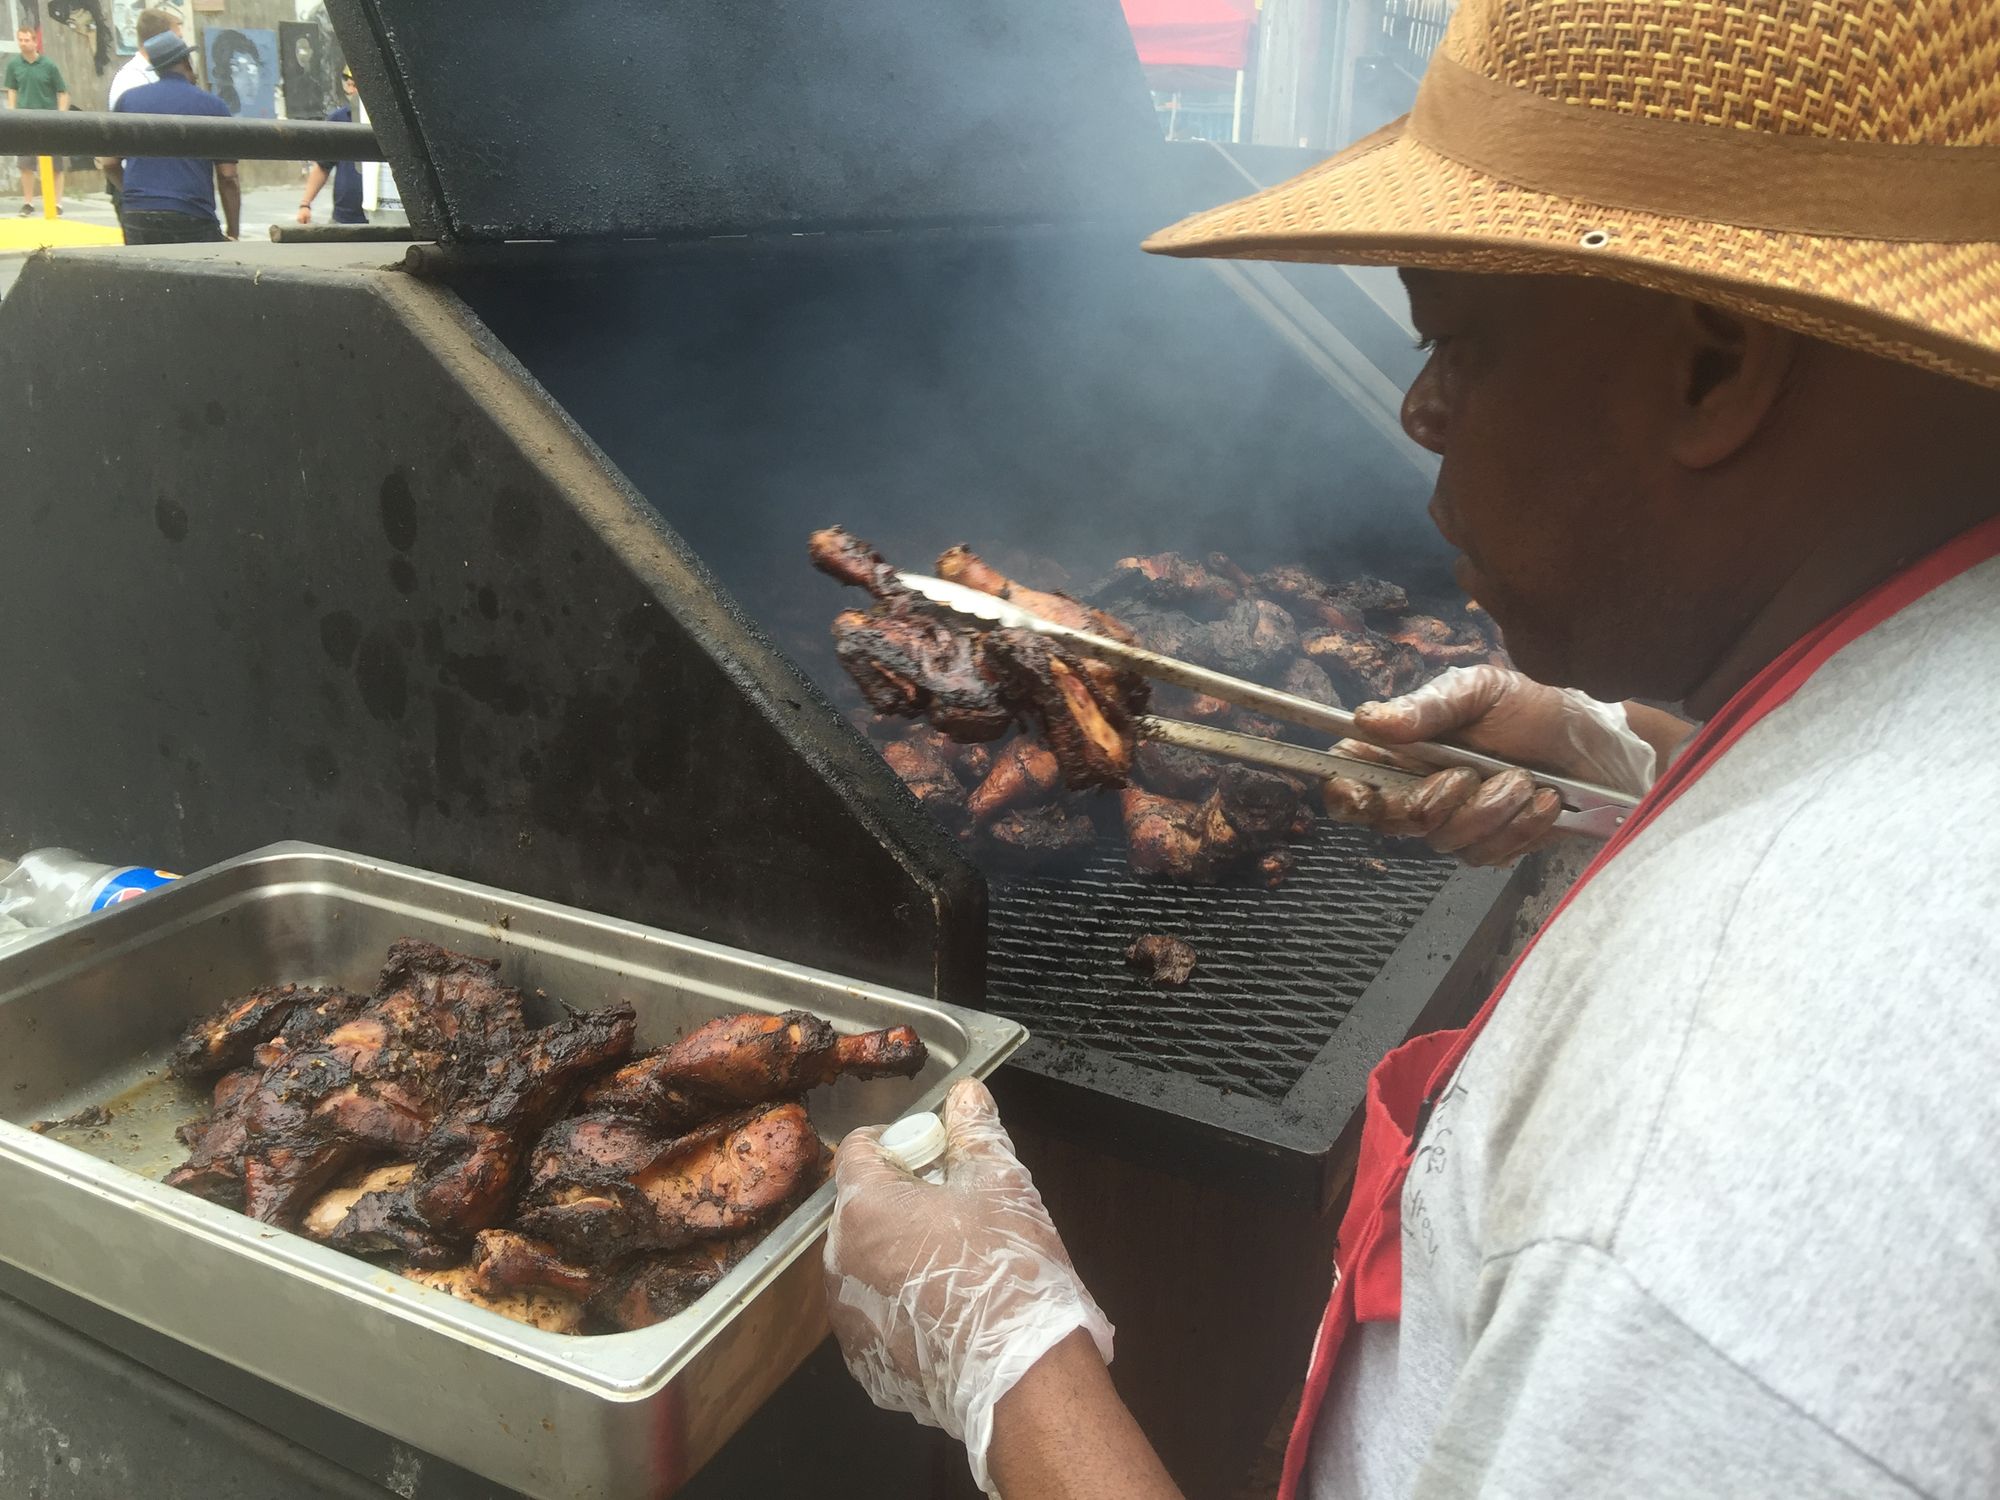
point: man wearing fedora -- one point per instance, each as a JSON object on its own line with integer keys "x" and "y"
{"x": 1701, "y": 1203}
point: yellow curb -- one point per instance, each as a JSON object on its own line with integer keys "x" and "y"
{"x": 36, "y": 233}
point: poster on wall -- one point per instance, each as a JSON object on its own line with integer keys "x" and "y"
{"x": 125, "y": 26}
{"x": 243, "y": 69}
{"x": 309, "y": 62}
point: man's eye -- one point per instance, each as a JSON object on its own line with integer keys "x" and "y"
{"x": 1426, "y": 342}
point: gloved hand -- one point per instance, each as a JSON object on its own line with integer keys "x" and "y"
{"x": 1491, "y": 820}
{"x": 943, "y": 1295}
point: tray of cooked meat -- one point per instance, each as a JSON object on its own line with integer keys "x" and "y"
{"x": 532, "y": 1189}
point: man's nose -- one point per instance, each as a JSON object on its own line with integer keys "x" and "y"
{"x": 1423, "y": 408}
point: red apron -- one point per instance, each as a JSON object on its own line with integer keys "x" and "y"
{"x": 1368, "y": 1263}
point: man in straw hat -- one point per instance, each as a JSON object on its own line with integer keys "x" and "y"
{"x": 1703, "y": 1203}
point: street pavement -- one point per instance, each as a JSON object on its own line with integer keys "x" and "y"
{"x": 262, "y": 207}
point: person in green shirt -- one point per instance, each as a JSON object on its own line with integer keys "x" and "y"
{"x": 33, "y": 82}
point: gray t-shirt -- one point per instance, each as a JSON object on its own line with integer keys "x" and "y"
{"x": 1712, "y": 1208}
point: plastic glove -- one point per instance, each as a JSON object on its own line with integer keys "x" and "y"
{"x": 944, "y": 1295}
{"x": 1492, "y": 820}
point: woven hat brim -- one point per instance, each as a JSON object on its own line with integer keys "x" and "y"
{"x": 1389, "y": 200}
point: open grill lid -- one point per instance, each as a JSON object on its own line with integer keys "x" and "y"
{"x": 630, "y": 118}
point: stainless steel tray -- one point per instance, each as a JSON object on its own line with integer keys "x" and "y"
{"x": 88, "y": 1014}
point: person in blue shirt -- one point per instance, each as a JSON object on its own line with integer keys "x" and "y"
{"x": 346, "y": 176}
{"x": 170, "y": 200}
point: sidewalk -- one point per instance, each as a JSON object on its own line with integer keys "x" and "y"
{"x": 87, "y": 218}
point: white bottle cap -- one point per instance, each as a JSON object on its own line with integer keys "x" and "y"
{"x": 914, "y": 1142}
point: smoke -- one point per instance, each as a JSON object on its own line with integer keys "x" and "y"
{"x": 979, "y": 352}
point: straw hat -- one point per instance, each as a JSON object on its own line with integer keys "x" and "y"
{"x": 1832, "y": 166}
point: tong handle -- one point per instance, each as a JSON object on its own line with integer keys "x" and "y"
{"x": 1598, "y": 821}
{"x": 1597, "y": 803}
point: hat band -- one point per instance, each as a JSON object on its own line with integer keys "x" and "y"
{"x": 1754, "y": 179}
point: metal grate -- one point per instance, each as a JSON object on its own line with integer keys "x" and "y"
{"x": 1278, "y": 973}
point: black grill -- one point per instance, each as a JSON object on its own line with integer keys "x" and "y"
{"x": 1279, "y": 970}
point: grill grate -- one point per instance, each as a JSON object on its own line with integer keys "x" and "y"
{"x": 1279, "y": 970}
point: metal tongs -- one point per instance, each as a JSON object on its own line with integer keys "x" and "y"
{"x": 1590, "y": 810}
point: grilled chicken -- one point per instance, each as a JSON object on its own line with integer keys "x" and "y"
{"x": 228, "y": 1038}
{"x": 1087, "y": 712}
{"x": 1037, "y": 840}
{"x": 351, "y": 1079}
{"x": 550, "y": 1311}
{"x": 912, "y": 665}
{"x": 962, "y": 565}
{"x": 839, "y": 554}
{"x": 749, "y": 1059}
{"x": 1438, "y": 644}
{"x": 1165, "y": 961}
{"x": 504, "y": 1260}
{"x": 1240, "y": 820}
{"x": 1023, "y": 772}
{"x": 1365, "y": 666}
{"x": 467, "y": 1164}
{"x": 655, "y": 1287}
{"x": 1171, "y": 581}
{"x": 396, "y": 1124}
{"x": 929, "y": 776}
{"x": 333, "y": 1206}
{"x": 728, "y": 1177}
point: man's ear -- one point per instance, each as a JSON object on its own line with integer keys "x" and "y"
{"x": 1735, "y": 371}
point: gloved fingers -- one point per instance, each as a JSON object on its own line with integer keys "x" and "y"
{"x": 978, "y": 1152}
{"x": 860, "y": 1163}
{"x": 1485, "y": 813}
{"x": 1362, "y": 750}
{"x": 1411, "y": 811}
{"x": 1418, "y": 810}
{"x": 1351, "y": 801}
{"x": 1453, "y": 699}
{"x": 1530, "y": 828}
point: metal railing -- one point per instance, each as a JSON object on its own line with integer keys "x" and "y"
{"x": 53, "y": 133}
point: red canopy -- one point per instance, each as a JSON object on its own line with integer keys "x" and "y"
{"x": 1191, "y": 33}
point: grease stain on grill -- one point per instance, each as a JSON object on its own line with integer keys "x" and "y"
{"x": 1280, "y": 970}
{"x": 172, "y": 519}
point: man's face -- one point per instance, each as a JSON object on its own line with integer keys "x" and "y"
{"x": 25, "y": 39}
{"x": 1553, "y": 402}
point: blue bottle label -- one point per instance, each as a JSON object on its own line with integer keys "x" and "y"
{"x": 126, "y": 884}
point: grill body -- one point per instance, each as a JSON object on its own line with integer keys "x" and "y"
{"x": 558, "y": 495}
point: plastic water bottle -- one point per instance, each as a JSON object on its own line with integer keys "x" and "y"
{"x": 916, "y": 1143}
{"x": 47, "y": 886}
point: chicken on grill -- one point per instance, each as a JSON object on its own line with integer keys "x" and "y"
{"x": 1230, "y": 830}
{"x": 908, "y": 661}
{"x": 1165, "y": 961}
{"x": 1023, "y": 772}
{"x": 974, "y": 684}
{"x": 1037, "y": 840}
{"x": 961, "y": 565}
{"x": 1333, "y": 643}
{"x": 1087, "y": 712}
{"x": 930, "y": 776}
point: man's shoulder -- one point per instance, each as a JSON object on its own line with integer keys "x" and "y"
{"x": 170, "y": 97}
